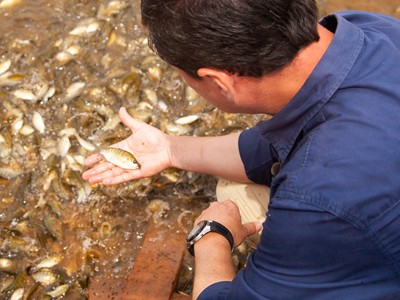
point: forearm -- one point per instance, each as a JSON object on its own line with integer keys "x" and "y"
{"x": 217, "y": 156}
{"x": 213, "y": 262}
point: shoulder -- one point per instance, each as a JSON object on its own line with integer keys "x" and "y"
{"x": 365, "y": 18}
{"x": 348, "y": 166}
{"x": 379, "y": 25}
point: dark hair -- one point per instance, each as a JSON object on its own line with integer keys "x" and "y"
{"x": 245, "y": 37}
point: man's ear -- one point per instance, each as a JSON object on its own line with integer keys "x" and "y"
{"x": 223, "y": 79}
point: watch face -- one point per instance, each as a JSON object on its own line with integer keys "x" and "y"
{"x": 196, "y": 230}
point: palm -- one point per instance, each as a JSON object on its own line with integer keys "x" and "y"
{"x": 147, "y": 143}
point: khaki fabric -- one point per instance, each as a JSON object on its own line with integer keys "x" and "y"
{"x": 252, "y": 200}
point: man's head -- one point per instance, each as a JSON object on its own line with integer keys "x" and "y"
{"x": 243, "y": 37}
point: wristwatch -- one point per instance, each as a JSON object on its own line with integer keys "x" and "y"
{"x": 204, "y": 227}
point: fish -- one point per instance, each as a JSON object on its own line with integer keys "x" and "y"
{"x": 74, "y": 90}
{"x": 4, "y": 66}
{"x": 17, "y": 125}
{"x": 44, "y": 276}
{"x": 59, "y": 291}
{"x": 7, "y": 265}
{"x": 86, "y": 27}
{"x": 25, "y": 95}
{"x": 63, "y": 145}
{"x": 18, "y": 294}
{"x": 113, "y": 8}
{"x": 120, "y": 158}
{"x": 105, "y": 230}
{"x": 187, "y": 120}
{"x": 26, "y": 130}
{"x": 49, "y": 262}
{"x": 38, "y": 123}
{"x": 9, "y": 173}
{"x": 9, "y": 3}
{"x": 53, "y": 226}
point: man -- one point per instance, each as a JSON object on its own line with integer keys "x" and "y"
{"x": 330, "y": 154}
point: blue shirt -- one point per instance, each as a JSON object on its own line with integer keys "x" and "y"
{"x": 333, "y": 225}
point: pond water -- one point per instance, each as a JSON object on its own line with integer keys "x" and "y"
{"x": 65, "y": 70}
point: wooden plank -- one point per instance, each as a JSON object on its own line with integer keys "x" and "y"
{"x": 155, "y": 271}
{"x": 157, "y": 266}
{"x": 105, "y": 288}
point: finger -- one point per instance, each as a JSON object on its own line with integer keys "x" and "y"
{"x": 92, "y": 159}
{"x": 252, "y": 227}
{"x": 199, "y": 219}
{"x": 100, "y": 168}
{"x": 128, "y": 120}
{"x": 214, "y": 203}
{"x": 110, "y": 173}
{"x": 229, "y": 203}
{"x": 121, "y": 178}
{"x": 100, "y": 172}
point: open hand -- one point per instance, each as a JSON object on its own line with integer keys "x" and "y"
{"x": 147, "y": 143}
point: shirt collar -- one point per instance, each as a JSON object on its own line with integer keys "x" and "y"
{"x": 283, "y": 129}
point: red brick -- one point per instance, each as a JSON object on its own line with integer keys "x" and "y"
{"x": 155, "y": 271}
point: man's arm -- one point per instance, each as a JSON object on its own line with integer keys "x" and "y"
{"x": 211, "y": 155}
{"x": 213, "y": 262}
{"x": 213, "y": 256}
{"x": 157, "y": 151}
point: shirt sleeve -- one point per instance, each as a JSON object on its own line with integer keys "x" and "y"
{"x": 257, "y": 155}
{"x": 308, "y": 253}
{"x": 216, "y": 291}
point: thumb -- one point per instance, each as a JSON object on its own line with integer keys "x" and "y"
{"x": 252, "y": 227}
{"x": 127, "y": 119}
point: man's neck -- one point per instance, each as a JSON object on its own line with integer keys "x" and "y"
{"x": 272, "y": 92}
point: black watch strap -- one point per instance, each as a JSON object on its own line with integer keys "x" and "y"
{"x": 208, "y": 226}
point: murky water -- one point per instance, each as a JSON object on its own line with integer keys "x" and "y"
{"x": 65, "y": 69}
{"x": 389, "y": 7}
